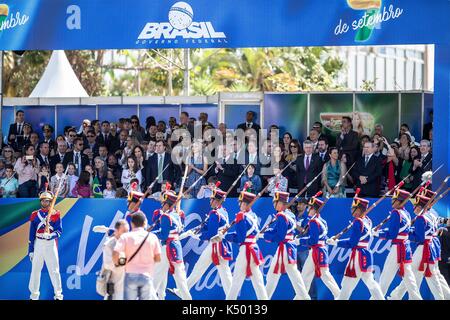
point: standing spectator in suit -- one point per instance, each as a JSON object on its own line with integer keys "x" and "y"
{"x": 90, "y": 142}
{"x": 308, "y": 166}
{"x": 70, "y": 138}
{"x": 367, "y": 172}
{"x": 378, "y": 130}
{"x": 314, "y": 138}
{"x": 119, "y": 144}
{"x": 27, "y": 171}
{"x": 322, "y": 149}
{"x": 151, "y": 146}
{"x": 105, "y": 137}
{"x": 185, "y": 124}
{"x": 253, "y": 180}
{"x": 249, "y": 122}
{"x": 156, "y": 164}
{"x": 58, "y": 157}
{"x": 44, "y": 154}
{"x": 48, "y": 137}
{"x": 24, "y": 139}
{"x": 252, "y": 156}
{"x": 16, "y": 128}
{"x": 226, "y": 169}
{"x": 34, "y": 140}
{"x": 347, "y": 141}
{"x": 422, "y": 163}
{"x": 318, "y": 126}
{"x": 77, "y": 157}
{"x": 103, "y": 152}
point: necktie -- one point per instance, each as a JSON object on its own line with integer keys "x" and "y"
{"x": 306, "y": 168}
{"x": 19, "y": 129}
{"x": 77, "y": 159}
{"x": 248, "y": 125}
{"x": 45, "y": 160}
{"x": 160, "y": 166}
{"x": 367, "y": 160}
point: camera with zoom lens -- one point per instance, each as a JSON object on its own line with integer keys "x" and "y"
{"x": 442, "y": 220}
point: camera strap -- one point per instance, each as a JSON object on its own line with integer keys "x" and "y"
{"x": 139, "y": 248}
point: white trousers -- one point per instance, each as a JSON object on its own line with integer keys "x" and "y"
{"x": 45, "y": 251}
{"x": 239, "y": 275}
{"x": 390, "y": 269}
{"x": 161, "y": 274}
{"x": 203, "y": 262}
{"x": 309, "y": 273}
{"x": 433, "y": 282}
{"x": 293, "y": 274}
{"x": 348, "y": 284}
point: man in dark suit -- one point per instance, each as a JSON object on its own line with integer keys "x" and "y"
{"x": 43, "y": 157}
{"x": 105, "y": 137}
{"x": 156, "y": 164}
{"x": 251, "y": 156}
{"x": 249, "y": 122}
{"x": 16, "y": 128}
{"x": 76, "y": 156}
{"x": 322, "y": 150}
{"x": 227, "y": 170}
{"x": 423, "y": 164}
{"x": 367, "y": 172}
{"x": 91, "y": 142}
{"x": 58, "y": 157}
{"x": 348, "y": 140}
{"x": 48, "y": 131}
{"x": 308, "y": 167}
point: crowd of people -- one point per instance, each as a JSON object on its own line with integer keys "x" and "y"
{"x": 102, "y": 159}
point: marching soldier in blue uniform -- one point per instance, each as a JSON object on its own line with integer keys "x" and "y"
{"x": 425, "y": 258}
{"x": 171, "y": 225}
{"x": 316, "y": 264}
{"x": 359, "y": 266}
{"x": 45, "y": 230}
{"x": 219, "y": 253}
{"x": 399, "y": 257}
{"x": 249, "y": 258}
{"x": 285, "y": 258}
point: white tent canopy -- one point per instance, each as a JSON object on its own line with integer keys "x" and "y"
{"x": 59, "y": 80}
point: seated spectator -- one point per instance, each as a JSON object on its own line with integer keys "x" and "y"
{"x": 206, "y": 190}
{"x": 102, "y": 152}
{"x": 8, "y": 155}
{"x": 55, "y": 182}
{"x": 277, "y": 182}
{"x": 72, "y": 179}
{"x": 367, "y": 172}
{"x": 121, "y": 193}
{"x": 137, "y": 131}
{"x": 332, "y": 173}
{"x": 114, "y": 169}
{"x": 9, "y": 184}
{"x": 43, "y": 178}
{"x": 252, "y": 179}
{"x": 91, "y": 171}
{"x": 127, "y": 151}
{"x": 101, "y": 172}
{"x": 83, "y": 188}
{"x": 138, "y": 153}
{"x": 27, "y": 170}
{"x": 197, "y": 167}
{"x": 91, "y": 142}
{"x": 110, "y": 191}
{"x": 131, "y": 172}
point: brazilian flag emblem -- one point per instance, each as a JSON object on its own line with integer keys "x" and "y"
{"x": 96, "y": 188}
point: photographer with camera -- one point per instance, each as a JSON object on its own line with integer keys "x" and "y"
{"x": 27, "y": 170}
{"x": 142, "y": 250}
{"x": 114, "y": 286}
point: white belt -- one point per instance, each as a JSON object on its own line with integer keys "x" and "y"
{"x": 39, "y": 236}
{"x": 363, "y": 244}
{"x": 321, "y": 242}
{"x": 250, "y": 240}
{"x": 428, "y": 237}
{"x": 289, "y": 237}
{"x": 401, "y": 237}
{"x": 173, "y": 237}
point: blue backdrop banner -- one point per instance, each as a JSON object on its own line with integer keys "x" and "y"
{"x": 76, "y": 24}
{"x": 80, "y": 249}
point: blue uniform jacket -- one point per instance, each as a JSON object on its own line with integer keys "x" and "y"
{"x": 37, "y": 225}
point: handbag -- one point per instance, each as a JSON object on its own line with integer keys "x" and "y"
{"x": 101, "y": 284}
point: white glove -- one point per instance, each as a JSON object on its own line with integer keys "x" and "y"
{"x": 297, "y": 241}
{"x": 259, "y": 236}
{"x": 298, "y": 224}
{"x": 46, "y": 235}
{"x": 100, "y": 229}
{"x": 187, "y": 234}
{"x": 218, "y": 237}
{"x": 376, "y": 233}
{"x": 30, "y": 255}
{"x": 332, "y": 241}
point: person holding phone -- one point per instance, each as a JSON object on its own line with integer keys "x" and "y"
{"x": 27, "y": 170}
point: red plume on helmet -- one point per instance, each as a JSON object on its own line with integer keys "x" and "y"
{"x": 46, "y": 186}
{"x": 247, "y": 186}
{"x": 168, "y": 186}
{"x": 318, "y": 194}
{"x": 358, "y": 190}
{"x": 134, "y": 186}
{"x": 218, "y": 183}
{"x": 400, "y": 184}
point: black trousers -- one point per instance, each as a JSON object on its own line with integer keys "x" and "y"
{"x": 28, "y": 189}
{"x": 445, "y": 270}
